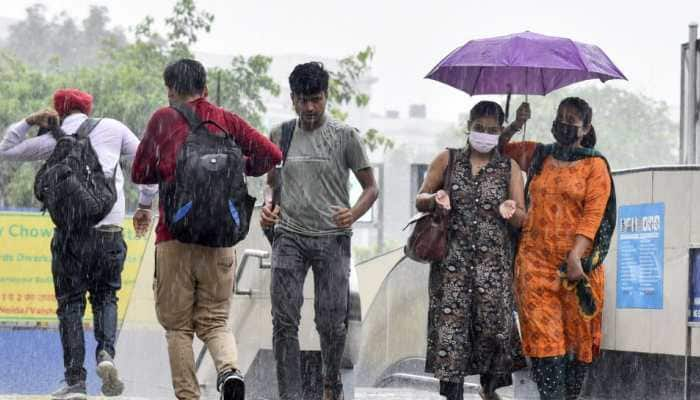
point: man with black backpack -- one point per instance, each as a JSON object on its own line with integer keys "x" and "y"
{"x": 199, "y": 154}
{"x": 312, "y": 219}
{"x": 81, "y": 186}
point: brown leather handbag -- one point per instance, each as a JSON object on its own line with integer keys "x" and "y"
{"x": 429, "y": 240}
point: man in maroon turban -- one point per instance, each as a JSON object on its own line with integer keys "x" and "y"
{"x": 90, "y": 258}
{"x": 69, "y": 101}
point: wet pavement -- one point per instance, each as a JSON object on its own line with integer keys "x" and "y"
{"x": 360, "y": 394}
{"x": 409, "y": 394}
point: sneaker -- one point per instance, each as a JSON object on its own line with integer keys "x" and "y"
{"x": 333, "y": 392}
{"x": 111, "y": 385}
{"x": 71, "y": 392}
{"x": 231, "y": 386}
{"x": 488, "y": 395}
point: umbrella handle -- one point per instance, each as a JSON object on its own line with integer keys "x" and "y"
{"x": 525, "y": 124}
{"x": 508, "y": 106}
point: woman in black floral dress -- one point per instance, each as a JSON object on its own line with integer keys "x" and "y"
{"x": 471, "y": 326}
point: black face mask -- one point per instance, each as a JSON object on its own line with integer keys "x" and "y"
{"x": 565, "y": 134}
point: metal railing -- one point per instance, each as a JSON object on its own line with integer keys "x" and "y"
{"x": 263, "y": 263}
{"x": 419, "y": 382}
{"x": 263, "y": 258}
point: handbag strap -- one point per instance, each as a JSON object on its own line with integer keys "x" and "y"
{"x": 449, "y": 172}
{"x": 447, "y": 185}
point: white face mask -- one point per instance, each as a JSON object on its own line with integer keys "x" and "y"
{"x": 483, "y": 142}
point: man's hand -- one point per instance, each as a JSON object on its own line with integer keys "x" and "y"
{"x": 142, "y": 221}
{"x": 47, "y": 118}
{"x": 343, "y": 217}
{"x": 521, "y": 116}
{"x": 269, "y": 217}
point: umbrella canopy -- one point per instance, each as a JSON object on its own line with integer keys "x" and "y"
{"x": 523, "y": 63}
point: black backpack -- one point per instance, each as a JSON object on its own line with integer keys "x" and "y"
{"x": 207, "y": 202}
{"x": 71, "y": 184}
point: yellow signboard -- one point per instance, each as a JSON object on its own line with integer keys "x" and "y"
{"x": 26, "y": 284}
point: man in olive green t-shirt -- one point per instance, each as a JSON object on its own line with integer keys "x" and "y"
{"x": 313, "y": 225}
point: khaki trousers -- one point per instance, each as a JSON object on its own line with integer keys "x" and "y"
{"x": 193, "y": 287}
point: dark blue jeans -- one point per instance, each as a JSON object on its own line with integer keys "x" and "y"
{"x": 90, "y": 261}
{"x": 329, "y": 258}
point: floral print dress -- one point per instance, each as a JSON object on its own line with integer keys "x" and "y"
{"x": 471, "y": 325}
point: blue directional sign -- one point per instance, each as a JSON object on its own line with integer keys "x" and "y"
{"x": 640, "y": 256}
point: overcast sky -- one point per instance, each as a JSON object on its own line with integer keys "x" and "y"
{"x": 410, "y": 37}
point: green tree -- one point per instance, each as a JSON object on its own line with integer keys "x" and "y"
{"x": 127, "y": 84}
{"x": 58, "y": 42}
{"x": 25, "y": 91}
{"x": 185, "y": 24}
{"x": 632, "y": 129}
{"x": 240, "y": 87}
{"x": 343, "y": 90}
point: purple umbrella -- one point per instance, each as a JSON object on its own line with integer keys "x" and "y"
{"x": 523, "y": 63}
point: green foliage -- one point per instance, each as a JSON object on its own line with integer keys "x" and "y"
{"x": 185, "y": 24}
{"x": 58, "y": 42}
{"x": 126, "y": 84}
{"x": 21, "y": 187}
{"x": 241, "y": 87}
{"x": 374, "y": 140}
{"x": 24, "y": 91}
{"x": 342, "y": 86}
{"x": 125, "y": 78}
{"x": 343, "y": 90}
{"x": 633, "y": 130}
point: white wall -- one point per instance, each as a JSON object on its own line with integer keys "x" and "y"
{"x": 657, "y": 331}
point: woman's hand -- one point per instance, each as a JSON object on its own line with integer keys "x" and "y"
{"x": 574, "y": 270}
{"x": 522, "y": 115}
{"x": 507, "y": 209}
{"x": 442, "y": 200}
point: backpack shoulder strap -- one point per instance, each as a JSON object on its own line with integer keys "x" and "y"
{"x": 286, "y": 137}
{"x": 86, "y": 127}
{"x": 285, "y": 143}
{"x": 57, "y": 133}
{"x": 189, "y": 114}
{"x": 195, "y": 123}
{"x": 83, "y": 132}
